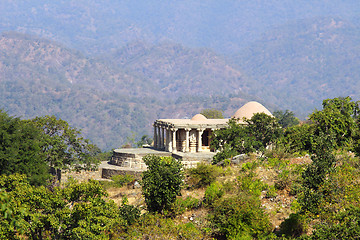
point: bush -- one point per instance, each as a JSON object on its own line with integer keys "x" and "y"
{"x": 129, "y": 213}
{"x": 271, "y": 192}
{"x": 182, "y": 205}
{"x": 155, "y": 226}
{"x": 294, "y": 226}
{"x": 121, "y": 180}
{"x": 203, "y": 175}
{"x": 213, "y": 192}
{"x": 240, "y": 217}
{"x": 162, "y": 182}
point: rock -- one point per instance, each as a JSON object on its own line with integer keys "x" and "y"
{"x": 136, "y": 185}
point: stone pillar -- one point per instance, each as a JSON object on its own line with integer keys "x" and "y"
{"x": 155, "y": 136}
{"x": 200, "y": 132}
{"x": 174, "y": 147}
{"x": 169, "y": 139}
{"x": 162, "y": 139}
{"x": 187, "y": 140}
{"x": 158, "y": 140}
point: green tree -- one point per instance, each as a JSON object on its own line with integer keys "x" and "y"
{"x": 298, "y": 138}
{"x": 77, "y": 211}
{"x": 315, "y": 174}
{"x": 161, "y": 182}
{"x": 64, "y": 147}
{"x": 145, "y": 139}
{"x": 212, "y": 113}
{"x": 338, "y": 118}
{"x": 265, "y": 129}
{"x": 255, "y": 135}
{"x": 21, "y": 149}
{"x": 286, "y": 119}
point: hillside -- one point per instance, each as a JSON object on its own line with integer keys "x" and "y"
{"x": 226, "y": 26}
{"x": 305, "y": 61}
{"x": 112, "y": 99}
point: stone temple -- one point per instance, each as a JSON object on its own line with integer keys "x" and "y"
{"x": 185, "y": 139}
{"x": 194, "y": 135}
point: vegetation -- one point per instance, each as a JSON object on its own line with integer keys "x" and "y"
{"x": 256, "y": 134}
{"x": 212, "y": 113}
{"x": 303, "y": 188}
{"x": 161, "y": 182}
{"x": 42, "y": 145}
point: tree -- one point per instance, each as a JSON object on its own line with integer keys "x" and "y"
{"x": 265, "y": 129}
{"x": 161, "y": 182}
{"x": 231, "y": 141}
{"x": 63, "y": 145}
{"x": 77, "y": 211}
{"x": 259, "y": 132}
{"x": 212, "y": 113}
{"x": 145, "y": 139}
{"x": 338, "y": 117}
{"x": 21, "y": 149}
{"x": 286, "y": 119}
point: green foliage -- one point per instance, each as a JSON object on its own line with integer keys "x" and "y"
{"x": 258, "y": 133}
{"x": 294, "y": 226}
{"x": 265, "y": 129}
{"x": 248, "y": 183}
{"x": 203, "y": 174}
{"x": 346, "y": 225}
{"x": 181, "y": 205}
{"x": 145, "y": 140}
{"x": 298, "y": 138}
{"x": 271, "y": 192}
{"x": 213, "y": 192}
{"x": 336, "y": 118}
{"x": 121, "y": 180}
{"x": 21, "y": 149}
{"x": 212, "y": 113}
{"x": 129, "y": 213}
{"x": 64, "y": 147}
{"x": 78, "y": 211}
{"x": 156, "y": 226}
{"x": 240, "y": 217}
{"x": 161, "y": 182}
{"x": 286, "y": 119}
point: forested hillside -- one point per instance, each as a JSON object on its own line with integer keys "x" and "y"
{"x": 111, "y": 99}
{"x": 111, "y": 68}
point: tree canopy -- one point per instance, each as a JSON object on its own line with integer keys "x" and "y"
{"x": 212, "y": 113}
{"x": 162, "y": 182}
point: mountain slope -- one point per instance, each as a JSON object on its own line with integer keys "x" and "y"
{"x": 306, "y": 62}
{"x": 110, "y": 99}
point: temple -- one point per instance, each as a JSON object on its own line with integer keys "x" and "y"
{"x": 194, "y": 135}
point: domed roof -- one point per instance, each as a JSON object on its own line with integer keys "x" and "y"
{"x": 198, "y": 117}
{"x": 249, "y": 109}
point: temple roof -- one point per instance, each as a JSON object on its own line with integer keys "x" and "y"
{"x": 198, "y": 117}
{"x": 249, "y": 109}
{"x": 190, "y": 123}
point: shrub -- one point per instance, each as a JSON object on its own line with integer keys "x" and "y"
{"x": 213, "y": 192}
{"x": 294, "y": 226}
{"x": 203, "y": 174}
{"x": 182, "y": 205}
{"x": 121, "y": 180}
{"x": 240, "y": 217}
{"x": 271, "y": 192}
{"x": 162, "y": 182}
{"x": 155, "y": 226}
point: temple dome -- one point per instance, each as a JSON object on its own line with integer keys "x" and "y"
{"x": 198, "y": 117}
{"x": 249, "y": 109}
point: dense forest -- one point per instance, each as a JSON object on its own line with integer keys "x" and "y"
{"x": 272, "y": 178}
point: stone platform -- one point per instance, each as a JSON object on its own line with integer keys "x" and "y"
{"x": 129, "y": 160}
